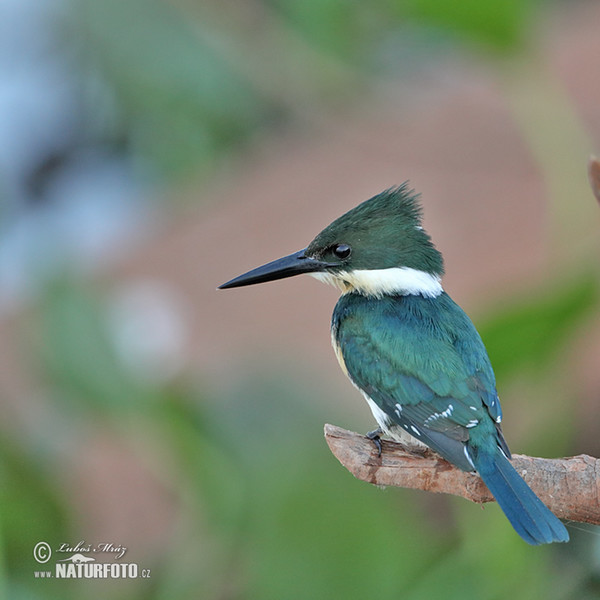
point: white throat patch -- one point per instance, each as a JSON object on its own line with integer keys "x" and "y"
{"x": 379, "y": 282}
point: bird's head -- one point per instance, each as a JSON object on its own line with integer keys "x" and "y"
{"x": 377, "y": 248}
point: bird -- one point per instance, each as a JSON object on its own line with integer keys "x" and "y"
{"x": 411, "y": 351}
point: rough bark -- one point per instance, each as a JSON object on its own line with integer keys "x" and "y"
{"x": 570, "y": 487}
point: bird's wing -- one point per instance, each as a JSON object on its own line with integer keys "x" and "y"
{"x": 428, "y": 382}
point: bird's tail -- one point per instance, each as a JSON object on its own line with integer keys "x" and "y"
{"x": 531, "y": 519}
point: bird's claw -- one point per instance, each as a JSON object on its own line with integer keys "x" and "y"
{"x": 375, "y": 437}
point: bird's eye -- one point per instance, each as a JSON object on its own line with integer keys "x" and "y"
{"x": 342, "y": 250}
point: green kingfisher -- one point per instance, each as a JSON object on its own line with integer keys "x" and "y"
{"x": 413, "y": 353}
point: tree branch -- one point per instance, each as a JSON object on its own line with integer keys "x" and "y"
{"x": 594, "y": 176}
{"x": 570, "y": 487}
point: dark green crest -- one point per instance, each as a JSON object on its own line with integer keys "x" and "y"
{"x": 382, "y": 232}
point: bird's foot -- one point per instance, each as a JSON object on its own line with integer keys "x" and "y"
{"x": 375, "y": 437}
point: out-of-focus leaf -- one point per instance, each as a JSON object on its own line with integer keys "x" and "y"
{"x": 337, "y": 27}
{"x": 182, "y": 103}
{"x": 309, "y": 521}
{"x": 353, "y": 539}
{"x": 213, "y": 491}
{"x": 76, "y": 351}
{"x": 530, "y": 333}
{"x": 497, "y": 24}
{"x": 287, "y": 520}
{"x": 203, "y": 451}
{"x": 32, "y": 509}
{"x": 519, "y": 571}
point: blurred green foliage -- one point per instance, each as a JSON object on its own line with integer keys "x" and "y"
{"x": 267, "y": 511}
{"x": 76, "y": 353}
{"x": 500, "y": 25}
{"x": 264, "y": 509}
{"x": 181, "y": 106}
{"x": 532, "y": 332}
{"x": 348, "y": 28}
{"x": 193, "y": 82}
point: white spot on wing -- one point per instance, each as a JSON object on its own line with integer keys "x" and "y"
{"x": 415, "y": 430}
{"x": 438, "y": 415}
{"x": 448, "y": 411}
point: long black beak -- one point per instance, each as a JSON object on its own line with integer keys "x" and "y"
{"x": 288, "y": 266}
